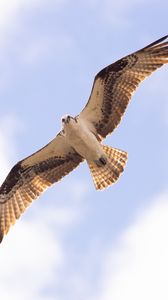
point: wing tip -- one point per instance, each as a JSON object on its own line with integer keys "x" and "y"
{"x": 155, "y": 42}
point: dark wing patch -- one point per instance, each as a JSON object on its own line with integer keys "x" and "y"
{"x": 116, "y": 67}
{"x": 11, "y": 179}
{"x": 113, "y": 109}
{"x": 25, "y": 183}
{"x": 114, "y": 85}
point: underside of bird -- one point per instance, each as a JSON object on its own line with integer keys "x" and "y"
{"x": 112, "y": 90}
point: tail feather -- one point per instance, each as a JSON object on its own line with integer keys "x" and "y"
{"x": 108, "y": 174}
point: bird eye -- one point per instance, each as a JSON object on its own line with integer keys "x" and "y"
{"x": 63, "y": 120}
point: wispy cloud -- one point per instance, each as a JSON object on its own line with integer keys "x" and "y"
{"x": 29, "y": 259}
{"x": 23, "y": 43}
{"x": 12, "y": 22}
{"x": 33, "y": 254}
{"x": 9, "y": 11}
{"x": 137, "y": 268}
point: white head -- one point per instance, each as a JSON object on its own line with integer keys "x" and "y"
{"x": 68, "y": 119}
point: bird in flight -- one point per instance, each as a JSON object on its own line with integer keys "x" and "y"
{"x": 81, "y": 136}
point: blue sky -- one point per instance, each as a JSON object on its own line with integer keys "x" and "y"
{"x": 75, "y": 242}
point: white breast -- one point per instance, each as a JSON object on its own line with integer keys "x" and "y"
{"x": 79, "y": 136}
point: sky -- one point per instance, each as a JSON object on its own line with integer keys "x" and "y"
{"x": 75, "y": 242}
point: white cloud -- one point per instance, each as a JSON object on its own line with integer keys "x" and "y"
{"x": 9, "y": 11}
{"x": 20, "y": 44}
{"x": 33, "y": 254}
{"x": 12, "y": 13}
{"x": 29, "y": 257}
{"x": 138, "y": 267}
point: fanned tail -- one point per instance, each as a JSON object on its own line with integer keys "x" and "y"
{"x": 107, "y": 174}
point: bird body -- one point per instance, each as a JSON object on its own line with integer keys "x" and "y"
{"x": 81, "y": 137}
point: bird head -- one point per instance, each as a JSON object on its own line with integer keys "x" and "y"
{"x": 69, "y": 119}
{"x": 66, "y": 119}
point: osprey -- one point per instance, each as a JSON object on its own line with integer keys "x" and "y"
{"x": 81, "y": 136}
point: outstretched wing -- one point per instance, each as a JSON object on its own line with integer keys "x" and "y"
{"x": 114, "y": 85}
{"x": 32, "y": 176}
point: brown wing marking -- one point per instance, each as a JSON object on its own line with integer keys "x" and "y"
{"x": 24, "y": 184}
{"x": 114, "y": 85}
